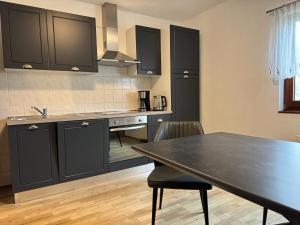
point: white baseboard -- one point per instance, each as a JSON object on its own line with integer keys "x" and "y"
{"x": 80, "y": 184}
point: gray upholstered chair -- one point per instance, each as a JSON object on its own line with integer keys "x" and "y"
{"x": 164, "y": 177}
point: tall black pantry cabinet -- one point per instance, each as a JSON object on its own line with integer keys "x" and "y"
{"x": 185, "y": 73}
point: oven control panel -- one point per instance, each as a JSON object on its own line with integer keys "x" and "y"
{"x": 125, "y": 121}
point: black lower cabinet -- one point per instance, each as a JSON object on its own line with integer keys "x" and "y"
{"x": 51, "y": 153}
{"x": 154, "y": 122}
{"x": 33, "y": 152}
{"x": 83, "y": 148}
{"x": 185, "y": 97}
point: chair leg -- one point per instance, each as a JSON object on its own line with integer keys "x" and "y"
{"x": 161, "y": 197}
{"x": 154, "y": 201}
{"x": 203, "y": 195}
{"x": 265, "y": 216}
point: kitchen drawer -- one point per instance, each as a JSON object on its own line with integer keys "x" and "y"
{"x": 154, "y": 121}
{"x": 79, "y": 123}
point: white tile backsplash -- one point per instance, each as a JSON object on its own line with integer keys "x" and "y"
{"x": 66, "y": 92}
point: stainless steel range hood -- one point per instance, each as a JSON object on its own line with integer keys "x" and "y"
{"x": 112, "y": 56}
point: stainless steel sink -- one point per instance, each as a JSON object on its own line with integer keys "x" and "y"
{"x": 20, "y": 118}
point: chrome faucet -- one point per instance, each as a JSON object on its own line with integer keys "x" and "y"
{"x": 44, "y": 111}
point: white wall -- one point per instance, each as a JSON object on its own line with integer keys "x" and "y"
{"x": 236, "y": 94}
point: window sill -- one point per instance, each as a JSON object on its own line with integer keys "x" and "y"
{"x": 290, "y": 111}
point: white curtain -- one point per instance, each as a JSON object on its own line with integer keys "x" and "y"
{"x": 284, "y": 49}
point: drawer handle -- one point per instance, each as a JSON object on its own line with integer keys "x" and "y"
{"x": 149, "y": 72}
{"x": 33, "y": 127}
{"x": 75, "y": 68}
{"x": 85, "y": 124}
{"x": 186, "y": 72}
{"x": 160, "y": 120}
{"x": 186, "y": 76}
{"x": 27, "y": 66}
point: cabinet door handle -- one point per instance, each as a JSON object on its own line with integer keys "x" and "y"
{"x": 149, "y": 72}
{"x": 186, "y": 76}
{"x": 160, "y": 120}
{"x": 33, "y": 127}
{"x": 75, "y": 68}
{"x": 27, "y": 66}
{"x": 186, "y": 72}
{"x": 85, "y": 124}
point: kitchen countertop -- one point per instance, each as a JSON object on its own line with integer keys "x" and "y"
{"x": 21, "y": 120}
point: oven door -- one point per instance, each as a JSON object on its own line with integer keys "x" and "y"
{"x": 121, "y": 140}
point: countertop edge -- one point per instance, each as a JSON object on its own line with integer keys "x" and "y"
{"x": 81, "y": 116}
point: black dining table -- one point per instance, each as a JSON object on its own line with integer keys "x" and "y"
{"x": 263, "y": 171}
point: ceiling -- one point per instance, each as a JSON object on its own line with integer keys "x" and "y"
{"x": 176, "y": 10}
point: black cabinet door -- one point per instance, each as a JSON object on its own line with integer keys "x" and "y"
{"x": 184, "y": 50}
{"x": 185, "y": 98}
{"x": 72, "y": 42}
{"x": 148, "y": 50}
{"x": 33, "y": 156}
{"x": 154, "y": 122}
{"x": 24, "y": 33}
{"x": 83, "y": 148}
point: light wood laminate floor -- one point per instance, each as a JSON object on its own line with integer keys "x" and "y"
{"x": 128, "y": 202}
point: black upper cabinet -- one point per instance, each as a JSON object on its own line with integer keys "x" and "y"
{"x": 185, "y": 98}
{"x": 72, "y": 42}
{"x": 83, "y": 148}
{"x": 33, "y": 156}
{"x": 184, "y": 50}
{"x": 148, "y": 50}
{"x": 24, "y": 34}
{"x": 29, "y": 32}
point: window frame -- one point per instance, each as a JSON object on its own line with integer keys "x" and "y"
{"x": 290, "y": 104}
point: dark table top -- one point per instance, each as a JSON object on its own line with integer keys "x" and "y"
{"x": 263, "y": 171}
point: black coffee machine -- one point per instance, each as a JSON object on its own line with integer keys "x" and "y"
{"x": 144, "y": 97}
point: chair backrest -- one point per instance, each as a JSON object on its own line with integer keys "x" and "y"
{"x": 172, "y": 130}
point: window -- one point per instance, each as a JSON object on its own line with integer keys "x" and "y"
{"x": 292, "y": 85}
{"x": 284, "y": 54}
{"x": 292, "y": 94}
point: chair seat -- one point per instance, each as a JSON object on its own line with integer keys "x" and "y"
{"x": 166, "y": 177}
